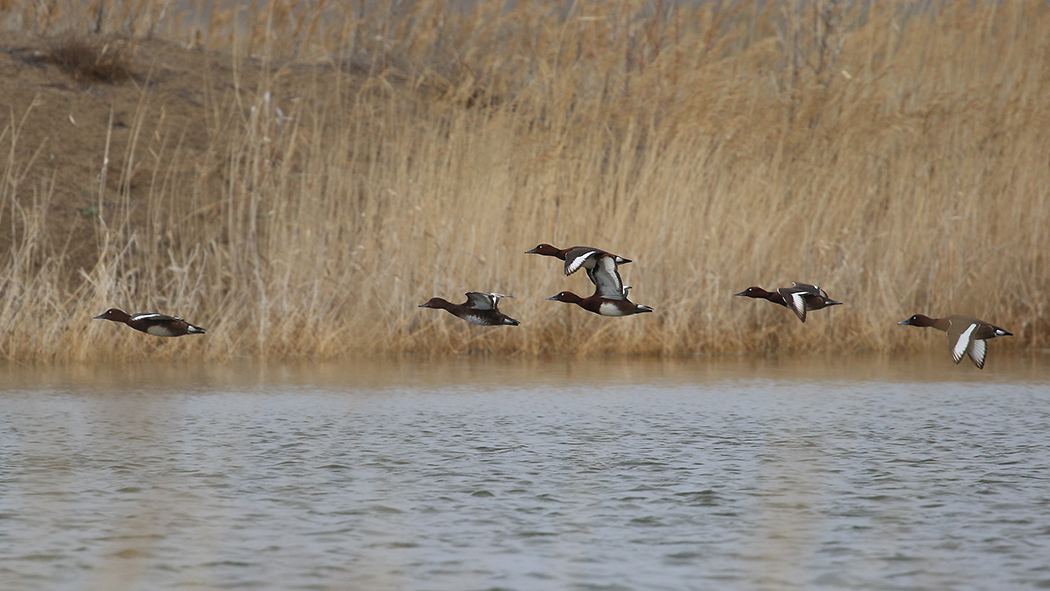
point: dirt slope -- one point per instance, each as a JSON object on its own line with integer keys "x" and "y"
{"x": 60, "y": 121}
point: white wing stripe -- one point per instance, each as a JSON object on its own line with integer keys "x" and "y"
{"x": 575, "y": 264}
{"x": 978, "y": 349}
{"x": 495, "y": 298}
{"x": 798, "y": 303}
{"x": 959, "y": 347}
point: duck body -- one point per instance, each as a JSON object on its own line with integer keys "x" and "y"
{"x": 602, "y": 305}
{"x": 480, "y": 309}
{"x": 800, "y": 298}
{"x": 158, "y": 325}
{"x": 966, "y": 335}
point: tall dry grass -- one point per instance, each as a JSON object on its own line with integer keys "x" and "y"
{"x": 897, "y": 156}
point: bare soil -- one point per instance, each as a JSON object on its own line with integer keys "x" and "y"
{"x": 61, "y": 122}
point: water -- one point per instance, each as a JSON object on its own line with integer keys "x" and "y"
{"x": 473, "y": 475}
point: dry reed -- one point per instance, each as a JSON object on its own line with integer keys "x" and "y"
{"x": 896, "y": 156}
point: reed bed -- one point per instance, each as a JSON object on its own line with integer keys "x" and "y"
{"x": 360, "y": 160}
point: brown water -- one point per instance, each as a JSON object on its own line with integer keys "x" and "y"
{"x": 835, "y": 473}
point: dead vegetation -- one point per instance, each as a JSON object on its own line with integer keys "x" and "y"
{"x": 328, "y": 172}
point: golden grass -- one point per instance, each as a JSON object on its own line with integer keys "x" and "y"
{"x": 896, "y": 157}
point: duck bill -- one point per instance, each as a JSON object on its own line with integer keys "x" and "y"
{"x": 908, "y": 322}
{"x": 741, "y": 293}
{"x": 100, "y": 316}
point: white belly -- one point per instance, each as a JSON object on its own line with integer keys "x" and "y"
{"x": 159, "y": 331}
{"x": 608, "y": 309}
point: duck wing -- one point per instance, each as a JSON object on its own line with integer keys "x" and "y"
{"x": 814, "y": 291}
{"x": 606, "y": 279}
{"x": 484, "y": 301}
{"x": 960, "y": 340}
{"x": 795, "y": 299}
{"x": 977, "y": 351}
{"x": 154, "y": 317}
{"x": 578, "y": 257}
{"x": 808, "y": 287}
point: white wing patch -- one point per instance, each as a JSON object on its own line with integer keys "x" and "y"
{"x": 152, "y": 315}
{"x": 798, "y": 304}
{"x": 978, "y": 349}
{"x": 571, "y": 266}
{"x": 960, "y": 346}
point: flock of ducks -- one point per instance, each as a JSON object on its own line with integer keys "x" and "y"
{"x": 609, "y": 299}
{"x": 966, "y": 336}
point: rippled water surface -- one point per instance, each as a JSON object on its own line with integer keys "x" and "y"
{"x": 469, "y": 474}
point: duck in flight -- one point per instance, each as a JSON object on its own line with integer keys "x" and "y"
{"x": 579, "y": 257}
{"x": 966, "y": 335}
{"x": 158, "y": 325}
{"x": 480, "y": 308}
{"x": 610, "y": 294}
{"x": 799, "y": 298}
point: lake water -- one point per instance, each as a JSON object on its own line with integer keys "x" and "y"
{"x": 458, "y": 475}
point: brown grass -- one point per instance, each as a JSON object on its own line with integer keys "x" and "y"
{"x": 341, "y": 169}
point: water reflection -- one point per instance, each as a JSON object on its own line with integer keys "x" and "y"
{"x": 473, "y": 474}
{"x": 498, "y": 371}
